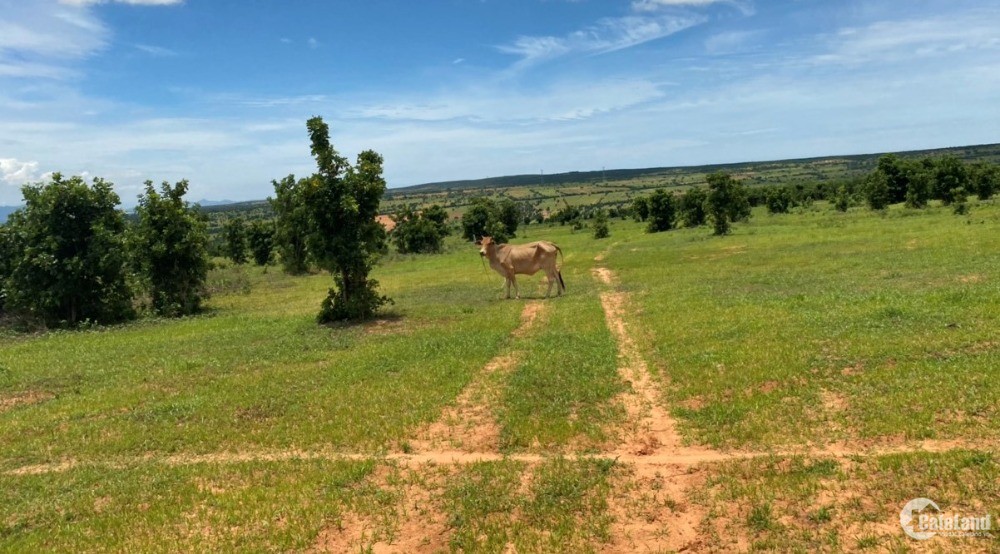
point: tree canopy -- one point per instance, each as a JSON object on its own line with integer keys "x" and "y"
{"x": 342, "y": 202}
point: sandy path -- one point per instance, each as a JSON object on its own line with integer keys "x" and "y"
{"x": 651, "y": 494}
{"x": 469, "y": 424}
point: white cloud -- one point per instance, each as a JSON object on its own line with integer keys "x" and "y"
{"x": 731, "y": 41}
{"x": 607, "y": 35}
{"x": 655, "y": 5}
{"x": 46, "y": 30}
{"x": 503, "y": 105}
{"x": 157, "y": 51}
{"x": 129, "y": 2}
{"x": 14, "y": 172}
{"x": 903, "y": 40}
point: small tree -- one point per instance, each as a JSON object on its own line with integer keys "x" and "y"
{"x": 918, "y": 190}
{"x": 692, "y": 207}
{"x": 949, "y": 177}
{"x": 727, "y": 202}
{"x": 70, "y": 260}
{"x": 420, "y": 232}
{"x": 843, "y": 200}
{"x": 485, "y": 218}
{"x": 985, "y": 180}
{"x": 877, "y": 191}
{"x": 959, "y": 197}
{"x": 662, "y": 211}
{"x": 260, "y": 237}
{"x": 438, "y": 216}
{"x": 344, "y": 236}
{"x": 291, "y": 224}
{"x": 778, "y": 200}
{"x": 170, "y": 249}
{"x": 640, "y": 208}
{"x": 235, "y": 233}
{"x": 600, "y": 225}
{"x": 897, "y": 177}
{"x": 509, "y": 214}
{"x": 8, "y": 253}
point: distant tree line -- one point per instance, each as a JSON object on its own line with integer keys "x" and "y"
{"x": 913, "y": 182}
{"x": 918, "y": 181}
{"x": 724, "y": 202}
{"x": 894, "y": 180}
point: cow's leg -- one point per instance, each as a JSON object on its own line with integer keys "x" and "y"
{"x": 548, "y": 291}
{"x": 517, "y": 293}
{"x": 506, "y": 284}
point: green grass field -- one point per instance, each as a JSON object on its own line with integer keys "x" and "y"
{"x": 809, "y": 353}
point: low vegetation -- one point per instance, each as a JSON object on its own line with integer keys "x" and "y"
{"x": 823, "y": 362}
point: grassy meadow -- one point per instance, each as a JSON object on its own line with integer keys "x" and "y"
{"x": 251, "y": 428}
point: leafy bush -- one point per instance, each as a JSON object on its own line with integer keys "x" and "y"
{"x": 985, "y": 180}
{"x": 662, "y": 211}
{"x": 291, "y": 224}
{"x": 727, "y": 202}
{"x": 600, "y": 225}
{"x": 640, "y": 208}
{"x": 169, "y": 246}
{"x": 950, "y": 179}
{"x": 778, "y": 200}
{"x": 235, "y": 233}
{"x": 260, "y": 237}
{"x": 843, "y": 200}
{"x": 487, "y": 217}
{"x": 421, "y": 232}
{"x": 69, "y": 263}
{"x": 692, "y": 207}
{"x": 877, "y": 191}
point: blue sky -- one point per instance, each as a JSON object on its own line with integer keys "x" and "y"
{"x": 218, "y": 91}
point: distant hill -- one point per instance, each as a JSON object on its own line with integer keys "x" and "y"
{"x": 245, "y": 206}
{"x": 204, "y": 202}
{"x": 855, "y": 163}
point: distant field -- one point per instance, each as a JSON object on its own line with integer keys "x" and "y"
{"x": 807, "y": 376}
{"x": 618, "y": 186}
{"x": 613, "y": 187}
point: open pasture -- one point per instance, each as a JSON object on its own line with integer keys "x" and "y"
{"x": 787, "y": 387}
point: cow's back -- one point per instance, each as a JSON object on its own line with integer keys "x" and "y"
{"x": 530, "y": 257}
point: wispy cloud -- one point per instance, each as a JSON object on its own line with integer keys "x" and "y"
{"x": 607, "y": 35}
{"x": 157, "y": 51}
{"x": 564, "y": 101}
{"x": 732, "y": 41}
{"x": 906, "y": 39}
{"x": 130, "y": 2}
{"x": 746, "y": 6}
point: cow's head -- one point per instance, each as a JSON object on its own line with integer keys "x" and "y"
{"x": 486, "y": 245}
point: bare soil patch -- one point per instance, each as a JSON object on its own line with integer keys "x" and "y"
{"x": 10, "y": 402}
{"x": 469, "y": 424}
{"x": 415, "y": 524}
{"x": 649, "y": 427}
{"x": 652, "y": 509}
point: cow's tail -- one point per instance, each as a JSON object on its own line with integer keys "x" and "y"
{"x": 558, "y": 271}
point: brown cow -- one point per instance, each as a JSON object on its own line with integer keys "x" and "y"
{"x": 510, "y": 260}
